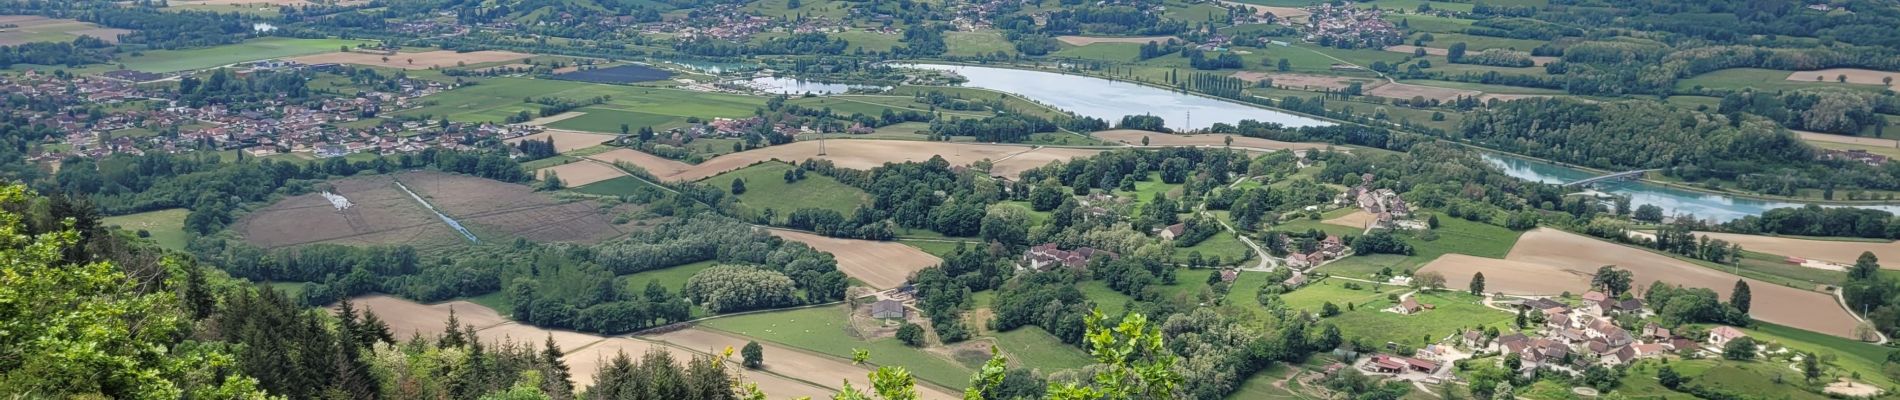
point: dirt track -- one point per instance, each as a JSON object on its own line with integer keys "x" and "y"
{"x": 1798, "y": 308}
{"x": 860, "y": 154}
{"x": 1506, "y": 276}
{"x": 1842, "y": 252}
{"x": 882, "y": 265}
{"x": 790, "y": 362}
{"x": 1133, "y": 137}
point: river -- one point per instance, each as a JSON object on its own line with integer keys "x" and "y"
{"x": 1673, "y": 201}
{"x": 1111, "y": 100}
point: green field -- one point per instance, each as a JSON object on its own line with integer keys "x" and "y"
{"x": 822, "y": 330}
{"x": 870, "y": 41}
{"x": 617, "y": 186}
{"x": 1430, "y": 23}
{"x": 1455, "y": 312}
{"x": 766, "y": 189}
{"x": 1102, "y": 51}
{"x": 251, "y": 50}
{"x": 1455, "y": 235}
{"x": 1315, "y": 295}
{"x": 1036, "y": 348}
{"x": 937, "y": 248}
{"x": 979, "y": 43}
{"x": 1759, "y": 79}
{"x": 494, "y": 100}
{"x": 1477, "y": 43}
{"x": 673, "y": 278}
{"x": 167, "y": 227}
{"x": 1223, "y": 245}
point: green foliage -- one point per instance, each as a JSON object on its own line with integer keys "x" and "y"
{"x": 1136, "y": 363}
{"x": 754, "y": 355}
{"x": 730, "y": 288}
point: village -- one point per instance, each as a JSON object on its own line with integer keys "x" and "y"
{"x": 156, "y": 120}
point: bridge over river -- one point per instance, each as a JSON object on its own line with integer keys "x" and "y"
{"x": 1625, "y": 175}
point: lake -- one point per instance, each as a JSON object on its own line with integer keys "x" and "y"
{"x": 1111, "y": 100}
{"x": 791, "y": 86}
{"x": 1673, "y": 201}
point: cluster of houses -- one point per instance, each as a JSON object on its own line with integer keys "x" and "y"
{"x": 1346, "y": 25}
{"x": 1388, "y": 209}
{"x": 315, "y": 127}
{"x": 1330, "y": 248}
{"x": 1048, "y": 256}
{"x": 1570, "y": 340}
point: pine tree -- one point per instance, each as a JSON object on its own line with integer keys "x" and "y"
{"x": 559, "y": 378}
{"x": 452, "y": 336}
{"x": 1477, "y": 283}
{"x": 1740, "y": 297}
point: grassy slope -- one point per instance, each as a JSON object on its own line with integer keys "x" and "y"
{"x": 251, "y": 50}
{"x": 167, "y": 227}
{"x": 766, "y": 189}
{"x": 822, "y": 330}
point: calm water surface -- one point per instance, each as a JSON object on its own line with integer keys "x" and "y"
{"x": 1673, "y": 201}
{"x": 1111, "y": 100}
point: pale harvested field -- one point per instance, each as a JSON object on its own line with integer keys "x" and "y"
{"x": 661, "y": 167}
{"x": 565, "y": 140}
{"x": 1859, "y": 140}
{"x": 859, "y": 154}
{"x": 423, "y": 60}
{"x": 882, "y": 265}
{"x": 1133, "y": 138}
{"x": 407, "y": 318}
{"x": 259, "y": 3}
{"x": 1037, "y": 158}
{"x": 1301, "y": 81}
{"x": 28, "y": 27}
{"x": 543, "y": 121}
{"x": 1282, "y": 12}
{"x": 1836, "y": 251}
{"x": 1357, "y": 219}
{"x": 789, "y": 362}
{"x": 1854, "y": 75}
{"x": 577, "y": 174}
{"x": 1088, "y": 40}
{"x": 533, "y": 336}
{"x": 1409, "y": 49}
{"x": 1396, "y": 90}
{"x": 1506, "y": 276}
{"x": 585, "y": 362}
{"x": 1798, "y": 308}
{"x": 1543, "y": 60}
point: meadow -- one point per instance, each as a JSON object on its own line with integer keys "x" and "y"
{"x": 1759, "y": 79}
{"x": 494, "y": 100}
{"x": 823, "y": 330}
{"x": 766, "y": 189}
{"x": 1454, "y": 235}
{"x": 1454, "y": 312}
{"x": 161, "y": 61}
{"x": 1033, "y": 347}
{"x": 166, "y": 227}
{"x": 985, "y": 42}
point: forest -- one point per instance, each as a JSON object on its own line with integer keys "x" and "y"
{"x": 1746, "y": 152}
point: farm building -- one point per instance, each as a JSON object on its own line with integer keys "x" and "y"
{"x": 1721, "y": 335}
{"x": 887, "y": 309}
